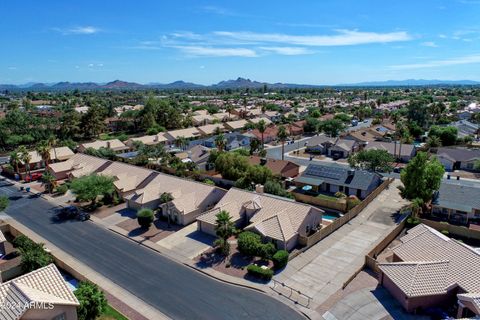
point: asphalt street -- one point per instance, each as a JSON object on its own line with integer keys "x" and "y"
{"x": 176, "y": 290}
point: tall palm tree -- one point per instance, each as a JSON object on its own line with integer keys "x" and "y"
{"x": 15, "y": 159}
{"x": 262, "y": 126}
{"x": 26, "y": 158}
{"x": 229, "y": 109}
{"x": 224, "y": 228}
{"x": 220, "y": 142}
{"x": 282, "y": 135}
{"x": 43, "y": 149}
{"x": 52, "y": 143}
{"x": 49, "y": 180}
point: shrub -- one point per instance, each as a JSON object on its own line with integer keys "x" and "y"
{"x": 3, "y": 202}
{"x": 22, "y": 242}
{"x": 340, "y": 195}
{"x": 280, "y": 259}
{"x": 248, "y": 243}
{"x": 62, "y": 189}
{"x": 260, "y": 272}
{"x": 445, "y": 232}
{"x": 92, "y": 301}
{"x": 33, "y": 255}
{"x": 352, "y": 202}
{"x": 209, "y": 182}
{"x": 266, "y": 250}
{"x": 145, "y": 218}
{"x": 412, "y": 222}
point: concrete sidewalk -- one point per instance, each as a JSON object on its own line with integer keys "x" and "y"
{"x": 323, "y": 269}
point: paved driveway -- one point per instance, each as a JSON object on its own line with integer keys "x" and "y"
{"x": 176, "y": 290}
{"x": 187, "y": 242}
{"x": 321, "y": 270}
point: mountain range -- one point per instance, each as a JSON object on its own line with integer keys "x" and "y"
{"x": 239, "y": 83}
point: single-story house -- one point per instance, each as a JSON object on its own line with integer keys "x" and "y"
{"x": 466, "y": 128}
{"x": 281, "y": 168}
{"x": 270, "y": 134}
{"x": 273, "y": 116}
{"x": 458, "y": 158}
{"x": 43, "y": 287}
{"x": 56, "y": 155}
{"x": 276, "y": 219}
{"x": 457, "y": 201}
{"x": 114, "y": 144}
{"x": 188, "y": 133}
{"x": 332, "y": 179}
{"x": 147, "y": 140}
{"x": 203, "y": 119}
{"x": 402, "y": 151}
{"x": 429, "y": 269}
{"x": 224, "y": 116}
{"x": 190, "y": 198}
{"x": 257, "y": 120}
{"x": 236, "y": 125}
{"x": 197, "y": 154}
{"x": 332, "y": 147}
{"x": 234, "y": 140}
{"x": 209, "y": 129}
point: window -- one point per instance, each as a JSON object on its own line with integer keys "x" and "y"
{"x": 62, "y": 316}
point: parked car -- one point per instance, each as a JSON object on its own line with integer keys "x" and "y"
{"x": 33, "y": 177}
{"x": 71, "y": 213}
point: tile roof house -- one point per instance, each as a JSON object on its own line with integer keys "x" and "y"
{"x": 270, "y": 134}
{"x": 281, "y": 168}
{"x": 430, "y": 269}
{"x": 458, "y": 158}
{"x": 56, "y": 155}
{"x": 332, "y": 147}
{"x": 114, "y": 144}
{"x": 23, "y": 297}
{"x": 209, "y": 129}
{"x": 276, "y": 219}
{"x": 457, "y": 202}
{"x": 147, "y": 140}
{"x": 142, "y": 188}
{"x": 257, "y": 120}
{"x": 203, "y": 119}
{"x": 466, "y": 128}
{"x": 234, "y": 140}
{"x": 188, "y": 133}
{"x": 197, "y": 154}
{"x": 331, "y": 179}
{"x": 403, "y": 152}
{"x": 236, "y": 125}
{"x": 190, "y": 198}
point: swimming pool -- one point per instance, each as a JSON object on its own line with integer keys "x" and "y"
{"x": 330, "y": 216}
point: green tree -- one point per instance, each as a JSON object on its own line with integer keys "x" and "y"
{"x": 145, "y": 218}
{"x": 33, "y": 255}
{"x": 89, "y": 188}
{"x": 373, "y": 160}
{"x": 434, "y": 142}
{"x": 224, "y": 229}
{"x": 49, "y": 180}
{"x": 15, "y": 159}
{"x": 262, "y": 127}
{"x": 3, "y": 203}
{"x": 282, "y": 136}
{"x": 92, "y": 121}
{"x": 92, "y": 301}
{"x": 448, "y": 135}
{"x": 332, "y": 127}
{"x": 254, "y": 145}
{"x": 220, "y": 142}
{"x": 26, "y": 158}
{"x": 43, "y": 148}
{"x": 476, "y": 165}
{"x": 421, "y": 177}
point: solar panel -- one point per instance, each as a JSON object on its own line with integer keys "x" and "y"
{"x": 325, "y": 172}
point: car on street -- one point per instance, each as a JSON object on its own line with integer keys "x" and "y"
{"x": 71, "y": 213}
{"x": 33, "y": 177}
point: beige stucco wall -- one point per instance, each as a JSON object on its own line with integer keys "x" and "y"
{"x": 45, "y": 314}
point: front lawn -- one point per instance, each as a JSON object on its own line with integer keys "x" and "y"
{"x": 111, "y": 314}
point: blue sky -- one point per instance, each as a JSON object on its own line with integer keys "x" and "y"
{"x": 314, "y": 42}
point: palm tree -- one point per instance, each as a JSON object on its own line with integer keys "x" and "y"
{"x": 52, "y": 143}
{"x": 43, "y": 149}
{"x": 49, "y": 180}
{"x": 220, "y": 142}
{"x": 434, "y": 142}
{"x": 229, "y": 109}
{"x": 282, "y": 135}
{"x": 14, "y": 160}
{"x": 262, "y": 126}
{"x": 181, "y": 142}
{"x": 224, "y": 228}
{"x": 26, "y": 158}
{"x": 416, "y": 207}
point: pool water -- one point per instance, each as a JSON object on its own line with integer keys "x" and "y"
{"x": 329, "y": 217}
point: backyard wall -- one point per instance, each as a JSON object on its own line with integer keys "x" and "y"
{"x": 338, "y": 204}
{"x": 453, "y": 229}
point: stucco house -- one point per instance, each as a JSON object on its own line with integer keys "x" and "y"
{"x": 401, "y": 151}
{"x": 331, "y": 179}
{"x": 116, "y": 145}
{"x": 23, "y": 297}
{"x": 429, "y": 269}
{"x": 458, "y": 158}
{"x": 332, "y": 147}
{"x": 457, "y": 202}
{"x": 281, "y": 168}
{"x": 276, "y": 219}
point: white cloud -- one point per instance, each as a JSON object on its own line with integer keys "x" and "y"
{"x": 288, "y": 51}
{"x": 342, "y": 38}
{"x": 200, "y": 51}
{"x": 91, "y": 65}
{"x": 12, "y": 68}
{"x": 429, "y": 44}
{"x": 78, "y": 30}
{"x": 472, "y": 59}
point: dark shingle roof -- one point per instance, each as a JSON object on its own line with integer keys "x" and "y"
{"x": 339, "y": 175}
{"x": 459, "y": 154}
{"x": 458, "y": 196}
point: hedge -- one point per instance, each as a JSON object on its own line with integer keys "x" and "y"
{"x": 259, "y": 272}
{"x": 280, "y": 259}
{"x": 248, "y": 243}
{"x": 145, "y": 218}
